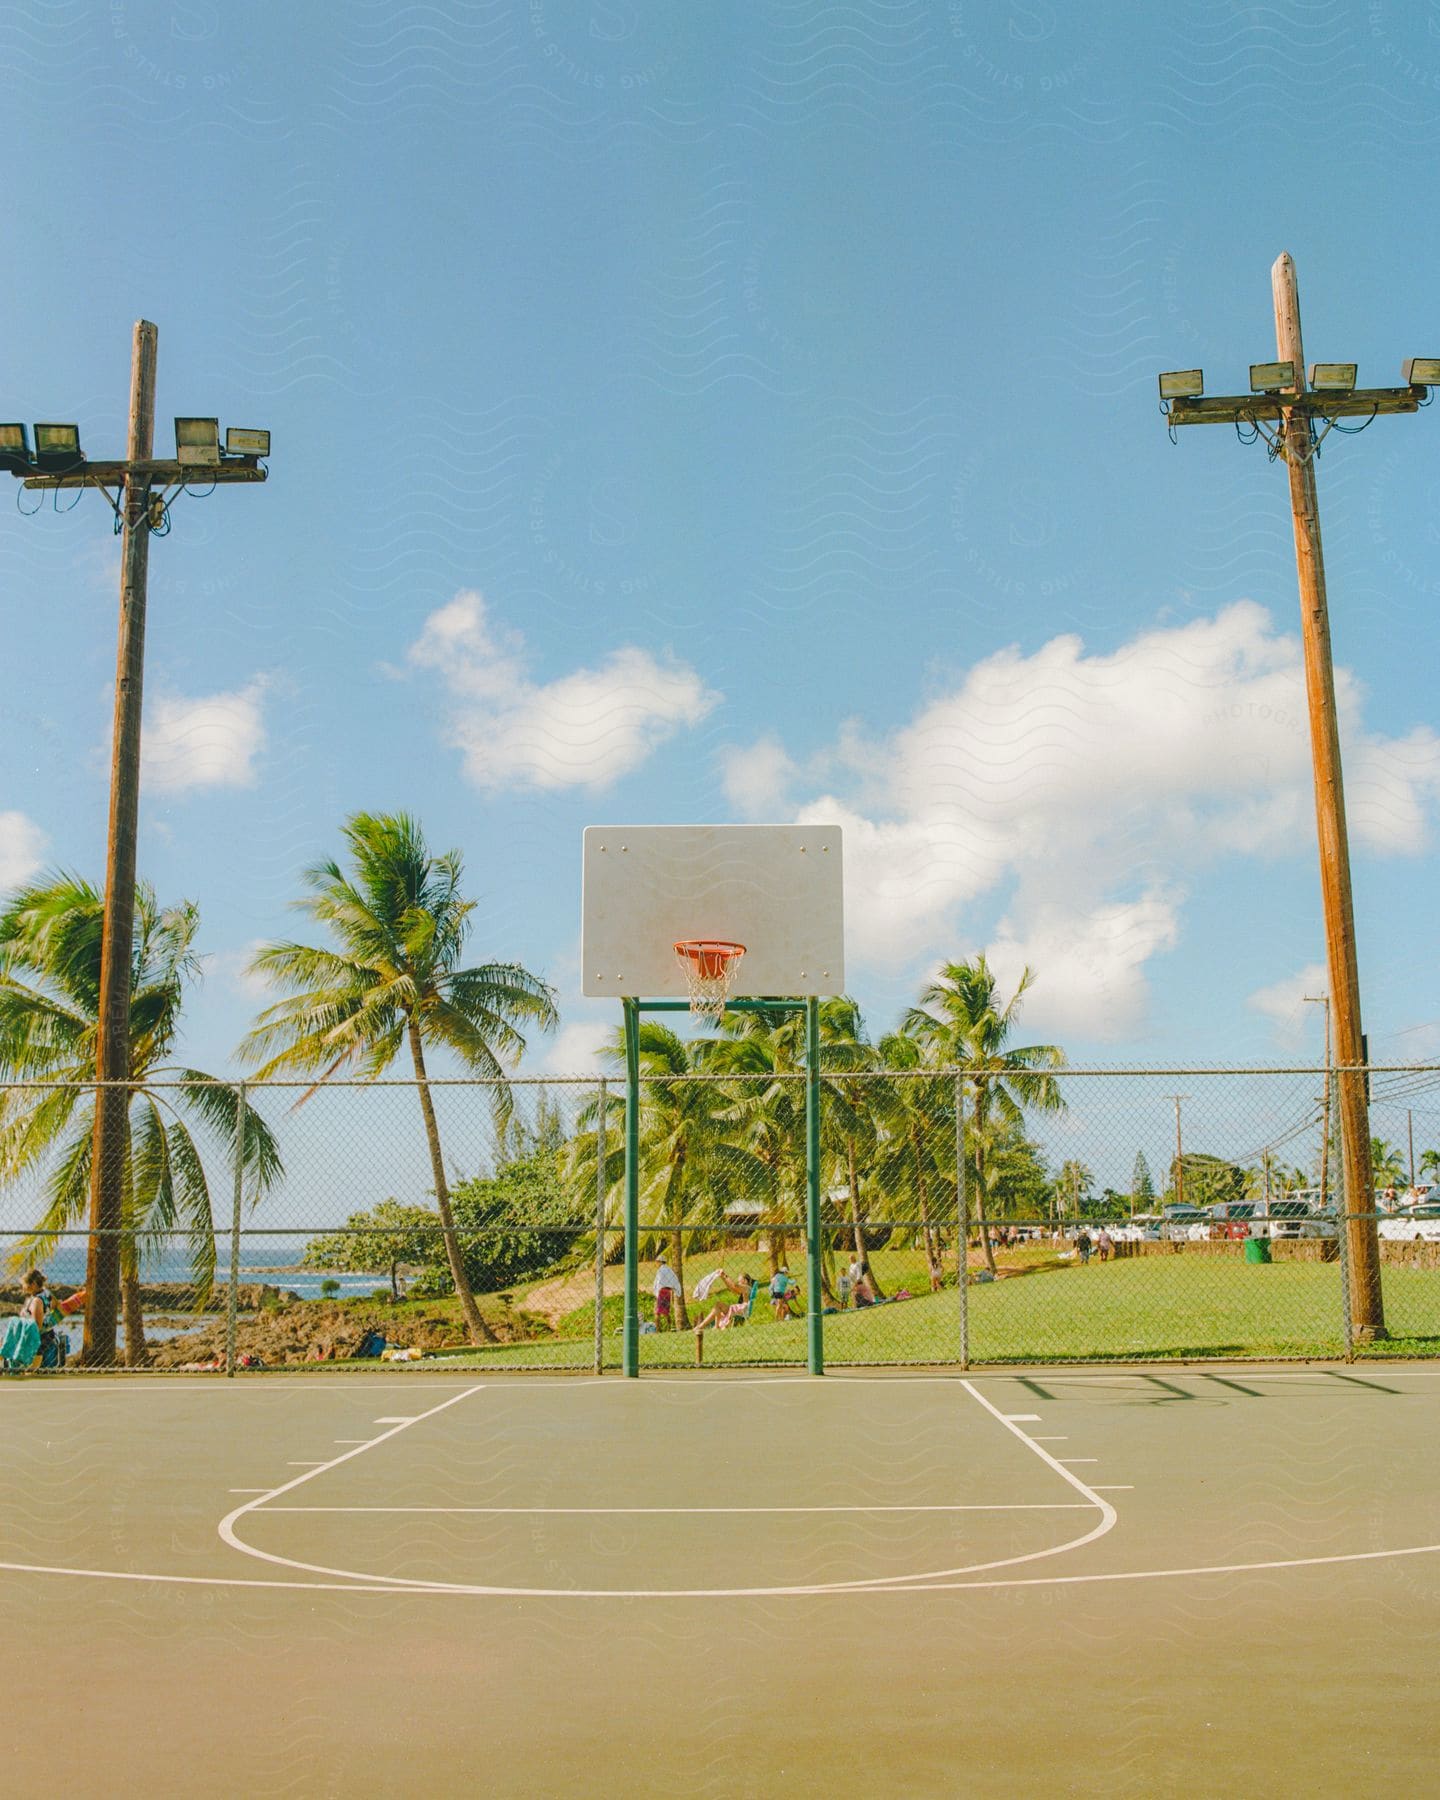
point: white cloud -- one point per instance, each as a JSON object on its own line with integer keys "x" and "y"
{"x": 1085, "y": 790}
{"x": 22, "y": 845}
{"x": 209, "y": 741}
{"x": 574, "y": 1049}
{"x": 232, "y": 967}
{"x": 585, "y": 729}
{"x": 757, "y": 779}
{"x": 1091, "y": 965}
{"x": 1283, "y": 1002}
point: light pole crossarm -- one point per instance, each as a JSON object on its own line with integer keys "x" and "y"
{"x": 1242, "y": 409}
{"x": 166, "y": 473}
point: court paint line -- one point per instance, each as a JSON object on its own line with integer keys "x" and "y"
{"x": 589, "y": 1512}
{"x": 401, "y": 1418}
{"x": 884, "y": 1583}
{"x": 1024, "y": 1418}
{"x": 905, "y": 1585}
{"x": 226, "y": 1527}
{"x": 1115, "y": 1487}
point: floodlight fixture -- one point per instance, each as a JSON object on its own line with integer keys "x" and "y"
{"x": 1270, "y": 378}
{"x": 1332, "y": 378}
{"x": 197, "y": 441}
{"x": 57, "y": 446}
{"x": 1182, "y": 384}
{"x": 242, "y": 440}
{"x": 1421, "y": 371}
{"x": 15, "y": 449}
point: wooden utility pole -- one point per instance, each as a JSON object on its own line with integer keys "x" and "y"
{"x": 1284, "y": 409}
{"x": 112, "y": 1045}
{"x": 144, "y": 487}
{"x": 1366, "y": 1306}
{"x": 1410, "y": 1134}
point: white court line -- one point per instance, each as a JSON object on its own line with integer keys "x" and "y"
{"x": 353, "y": 1584}
{"x": 886, "y": 1583}
{"x": 589, "y": 1512}
{"x": 1024, "y": 1418}
{"x": 903, "y": 1585}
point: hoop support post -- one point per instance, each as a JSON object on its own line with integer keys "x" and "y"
{"x": 630, "y": 1355}
{"x": 815, "y": 1316}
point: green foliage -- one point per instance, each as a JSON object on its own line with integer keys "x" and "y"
{"x": 515, "y": 1222}
{"x": 1142, "y": 1184}
{"x": 330, "y": 1288}
{"x": 388, "y": 1233}
{"x": 1208, "y": 1180}
{"x": 1388, "y": 1165}
{"x": 50, "y": 936}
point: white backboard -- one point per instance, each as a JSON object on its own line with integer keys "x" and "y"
{"x": 777, "y": 889}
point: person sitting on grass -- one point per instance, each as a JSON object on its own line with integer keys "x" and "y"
{"x": 784, "y": 1293}
{"x": 865, "y": 1287}
{"x": 722, "y": 1317}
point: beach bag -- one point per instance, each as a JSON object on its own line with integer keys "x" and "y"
{"x": 19, "y": 1342}
{"x": 54, "y": 1348}
{"x": 371, "y": 1344}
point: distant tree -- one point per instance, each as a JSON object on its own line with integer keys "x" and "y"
{"x": 1429, "y": 1164}
{"x": 1388, "y": 1164}
{"x": 329, "y": 1288}
{"x": 963, "y": 1024}
{"x": 1209, "y": 1180}
{"x": 1110, "y": 1205}
{"x": 383, "y": 1238}
{"x": 1142, "y": 1185}
{"x": 1073, "y": 1188}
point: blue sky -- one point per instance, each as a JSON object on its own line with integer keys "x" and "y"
{"x": 685, "y": 413}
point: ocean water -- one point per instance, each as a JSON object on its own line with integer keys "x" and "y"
{"x": 258, "y": 1256}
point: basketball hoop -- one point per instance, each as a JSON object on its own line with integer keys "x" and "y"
{"x": 709, "y": 965}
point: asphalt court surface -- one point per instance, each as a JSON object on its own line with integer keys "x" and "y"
{"x": 867, "y": 1544}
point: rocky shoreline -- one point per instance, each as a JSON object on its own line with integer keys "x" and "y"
{"x": 325, "y": 1331}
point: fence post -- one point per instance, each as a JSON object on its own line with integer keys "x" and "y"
{"x": 1342, "y": 1234}
{"x": 232, "y": 1306}
{"x": 962, "y": 1208}
{"x": 815, "y": 1317}
{"x": 600, "y": 1145}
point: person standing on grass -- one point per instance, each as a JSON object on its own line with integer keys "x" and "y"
{"x": 1082, "y": 1244}
{"x": 666, "y": 1286}
{"x": 1104, "y": 1244}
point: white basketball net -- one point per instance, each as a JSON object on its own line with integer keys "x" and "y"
{"x": 709, "y": 971}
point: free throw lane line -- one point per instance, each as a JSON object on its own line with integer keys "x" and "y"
{"x": 889, "y": 1583}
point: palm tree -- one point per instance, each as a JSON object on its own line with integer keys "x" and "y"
{"x": 919, "y": 1121}
{"x": 851, "y": 1103}
{"x": 688, "y": 1165}
{"x": 50, "y": 936}
{"x": 1387, "y": 1164}
{"x": 763, "y": 1110}
{"x": 962, "y": 1024}
{"x": 399, "y": 924}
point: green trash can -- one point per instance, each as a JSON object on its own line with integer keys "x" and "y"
{"x": 1257, "y": 1250}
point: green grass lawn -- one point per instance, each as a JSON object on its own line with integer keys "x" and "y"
{"x": 1142, "y": 1307}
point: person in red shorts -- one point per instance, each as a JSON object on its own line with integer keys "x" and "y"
{"x": 666, "y": 1288}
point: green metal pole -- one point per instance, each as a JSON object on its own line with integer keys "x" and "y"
{"x": 815, "y": 1318}
{"x": 631, "y": 1353}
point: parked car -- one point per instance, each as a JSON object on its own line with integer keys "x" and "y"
{"x": 1185, "y": 1222}
{"x": 1413, "y": 1224}
{"x": 1298, "y": 1215}
{"x": 1233, "y": 1219}
{"x": 1144, "y": 1228}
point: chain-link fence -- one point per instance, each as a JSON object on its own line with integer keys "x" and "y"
{"x": 965, "y": 1217}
